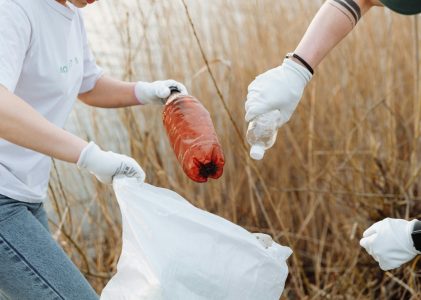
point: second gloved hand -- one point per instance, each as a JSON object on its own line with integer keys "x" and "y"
{"x": 107, "y": 165}
{"x": 156, "y": 92}
{"x": 390, "y": 243}
{"x": 280, "y": 89}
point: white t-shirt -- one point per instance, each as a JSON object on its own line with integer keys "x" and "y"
{"x": 46, "y": 61}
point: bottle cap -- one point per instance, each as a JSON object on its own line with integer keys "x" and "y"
{"x": 257, "y": 152}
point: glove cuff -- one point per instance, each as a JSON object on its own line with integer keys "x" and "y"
{"x": 82, "y": 163}
{"x": 302, "y": 60}
{"x": 139, "y": 92}
{"x": 298, "y": 69}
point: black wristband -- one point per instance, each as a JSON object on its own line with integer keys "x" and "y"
{"x": 416, "y": 235}
{"x": 309, "y": 68}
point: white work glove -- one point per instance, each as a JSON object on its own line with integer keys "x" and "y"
{"x": 390, "y": 243}
{"x": 156, "y": 92}
{"x": 279, "y": 88}
{"x": 107, "y": 165}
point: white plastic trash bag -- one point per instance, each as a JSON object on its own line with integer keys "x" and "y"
{"x": 175, "y": 251}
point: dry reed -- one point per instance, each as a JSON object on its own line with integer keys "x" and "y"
{"x": 349, "y": 157}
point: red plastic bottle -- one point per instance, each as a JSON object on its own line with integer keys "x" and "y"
{"x": 193, "y": 138}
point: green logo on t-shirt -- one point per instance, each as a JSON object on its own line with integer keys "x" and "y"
{"x": 67, "y": 67}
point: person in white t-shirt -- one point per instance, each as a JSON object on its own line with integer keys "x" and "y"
{"x": 45, "y": 64}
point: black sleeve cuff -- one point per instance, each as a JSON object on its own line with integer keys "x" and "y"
{"x": 416, "y": 235}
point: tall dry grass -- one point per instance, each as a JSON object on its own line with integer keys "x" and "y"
{"x": 349, "y": 157}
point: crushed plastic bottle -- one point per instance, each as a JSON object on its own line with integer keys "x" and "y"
{"x": 262, "y": 132}
{"x": 192, "y": 136}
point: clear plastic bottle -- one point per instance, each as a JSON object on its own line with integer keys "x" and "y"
{"x": 262, "y": 132}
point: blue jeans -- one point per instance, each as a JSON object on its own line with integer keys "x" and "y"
{"x": 32, "y": 264}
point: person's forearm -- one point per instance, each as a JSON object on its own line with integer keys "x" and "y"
{"x": 110, "y": 93}
{"x": 334, "y": 20}
{"x": 20, "y": 124}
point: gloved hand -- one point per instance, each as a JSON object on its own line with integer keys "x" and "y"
{"x": 390, "y": 243}
{"x": 279, "y": 88}
{"x": 107, "y": 165}
{"x": 156, "y": 92}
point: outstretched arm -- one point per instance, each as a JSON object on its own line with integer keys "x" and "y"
{"x": 112, "y": 93}
{"x": 334, "y": 20}
{"x": 22, "y": 125}
{"x": 281, "y": 88}
{"x": 109, "y": 93}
